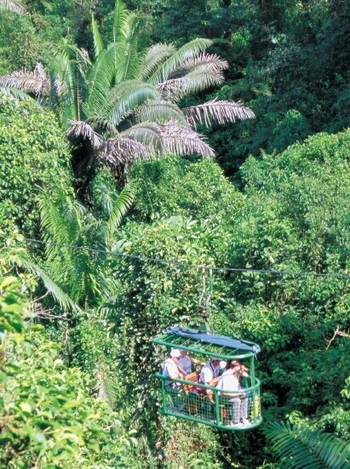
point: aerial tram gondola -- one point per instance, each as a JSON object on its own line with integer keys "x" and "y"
{"x": 207, "y": 404}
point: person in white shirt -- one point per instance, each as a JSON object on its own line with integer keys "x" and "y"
{"x": 170, "y": 368}
{"x": 229, "y": 385}
{"x": 210, "y": 372}
{"x": 209, "y": 375}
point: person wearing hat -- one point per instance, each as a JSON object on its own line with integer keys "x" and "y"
{"x": 170, "y": 368}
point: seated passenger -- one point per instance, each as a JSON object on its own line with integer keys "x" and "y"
{"x": 229, "y": 387}
{"x": 186, "y": 362}
{"x": 170, "y": 369}
{"x": 209, "y": 375}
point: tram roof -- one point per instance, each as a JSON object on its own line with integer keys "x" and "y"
{"x": 207, "y": 343}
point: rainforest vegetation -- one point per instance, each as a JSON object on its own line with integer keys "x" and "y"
{"x": 139, "y": 143}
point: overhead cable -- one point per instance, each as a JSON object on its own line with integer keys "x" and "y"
{"x": 185, "y": 264}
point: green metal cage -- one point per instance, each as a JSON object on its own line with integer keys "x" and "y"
{"x": 189, "y": 400}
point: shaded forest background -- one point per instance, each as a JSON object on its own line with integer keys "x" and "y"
{"x": 270, "y": 212}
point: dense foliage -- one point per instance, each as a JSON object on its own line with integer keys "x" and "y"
{"x": 47, "y": 417}
{"x": 112, "y": 267}
{"x": 287, "y": 62}
{"x": 33, "y": 156}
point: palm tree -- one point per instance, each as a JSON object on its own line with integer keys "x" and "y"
{"x": 301, "y": 447}
{"x": 76, "y": 243}
{"x": 75, "y": 277}
{"x": 123, "y": 106}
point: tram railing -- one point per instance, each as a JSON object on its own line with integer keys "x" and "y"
{"x": 209, "y": 405}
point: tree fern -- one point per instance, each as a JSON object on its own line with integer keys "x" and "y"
{"x": 300, "y": 447}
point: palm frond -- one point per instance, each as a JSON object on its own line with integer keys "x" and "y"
{"x": 127, "y": 68}
{"x": 301, "y": 447}
{"x": 149, "y": 135}
{"x": 70, "y": 52}
{"x": 182, "y": 141}
{"x": 36, "y": 82}
{"x": 13, "y": 5}
{"x": 175, "y": 90}
{"x": 133, "y": 27}
{"x": 120, "y": 21}
{"x": 67, "y": 230}
{"x": 122, "y": 205}
{"x": 96, "y": 36}
{"x": 198, "y": 80}
{"x": 60, "y": 218}
{"x": 16, "y": 93}
{"x": 194, "y": 75}
{"x": 83, "y": 278}
{"x": 105, "y": 386}
{"x": 108, "y": 306}
{"x": 126, "y": 96}
{"x": 217, "y": 111}
{"x": 189, "y": 50}
{"x": 204, "y": 62}
{"x": 154, "y": 56}
{"x": 80, "y": 130}
{"x": 60, "y": 223}
{"x": 69, "y": 69}
{"x": 99, "y": 80}
{"x": 62, "y": 298}
{"x": 120, "y": 151}
{"x": 102, "y": 126}
{"x": 160, "y": 112}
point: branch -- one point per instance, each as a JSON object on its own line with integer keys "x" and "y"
{"x": 337, "y": 332}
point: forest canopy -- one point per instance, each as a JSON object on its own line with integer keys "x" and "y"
{"x": 147, "y": 149}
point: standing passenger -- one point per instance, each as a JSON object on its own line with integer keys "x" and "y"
{"x": 229, "y": 386}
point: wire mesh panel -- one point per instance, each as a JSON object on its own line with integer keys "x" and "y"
{"x": 205, "y": 404}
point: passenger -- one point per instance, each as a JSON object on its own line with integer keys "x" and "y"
{"x": 186, "y": 362}
{"x": 229, "y": 386}
{"x": 243, "y": 373}
{"x": 170, "y": 368}
{"x": 209, "y": 374}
